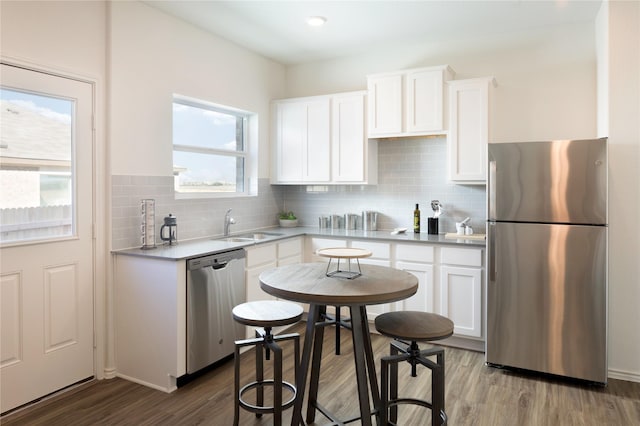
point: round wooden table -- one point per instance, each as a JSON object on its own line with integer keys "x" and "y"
{"x": 308, "y": 283}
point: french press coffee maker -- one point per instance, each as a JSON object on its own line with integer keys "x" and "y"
{"x": 171, "y": 233}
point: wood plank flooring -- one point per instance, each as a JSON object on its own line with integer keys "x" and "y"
{"x": 475, "y": 395}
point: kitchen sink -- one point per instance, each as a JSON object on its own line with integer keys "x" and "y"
{"x": 263, "y": 235}
{"x": 237, "y": 239}
{"x": 253, "y": 236}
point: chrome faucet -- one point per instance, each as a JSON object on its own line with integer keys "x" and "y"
{"x": 228, "y": 221}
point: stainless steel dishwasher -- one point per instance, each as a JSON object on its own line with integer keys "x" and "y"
{"x": 215, "y": 284}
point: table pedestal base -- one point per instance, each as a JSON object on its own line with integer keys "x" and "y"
{"x": 366, "y": 377}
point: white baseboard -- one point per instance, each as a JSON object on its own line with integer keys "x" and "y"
{"x": 148, "y": 384}
{"x": 624, "y": 375}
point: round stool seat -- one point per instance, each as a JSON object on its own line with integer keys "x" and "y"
{"x": 267, "y": 313}
{"x": 414, "y": 325}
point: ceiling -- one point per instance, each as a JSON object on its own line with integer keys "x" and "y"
{"x": 278, "y": 29}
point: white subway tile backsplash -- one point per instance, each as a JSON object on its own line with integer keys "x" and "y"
{"x": 410, "y": 171}
{"x": 196, "y": 218}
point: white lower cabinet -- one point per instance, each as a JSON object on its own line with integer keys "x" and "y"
{"x": 150, "y": 320}
{"x": 266, "y": 256}
{"x": 461, "y": 290}
{"x": 259, "y": 259}
{"x": 289, "y": 251}
{"x": 449, "y": 280}
{"x": 423, "y": 299}
{"x": 314, "y": 244}
{"x": 381, "y": 256}
{"x": 418, "y": 260}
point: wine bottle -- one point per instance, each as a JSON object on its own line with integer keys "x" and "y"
{"x": 416, "y": 220}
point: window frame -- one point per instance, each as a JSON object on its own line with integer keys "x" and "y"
{"x": 247, "y": 154}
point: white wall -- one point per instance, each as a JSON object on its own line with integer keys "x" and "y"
{"x": 47, "y": 33}
{"x": 619, "y": 60}
{"x": 546, "y": 79}
{"x": 69, "y": 38}
{"x": 153, "y": 56}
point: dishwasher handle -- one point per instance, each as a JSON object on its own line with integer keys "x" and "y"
{"x": 216, "y": 261}
{"x": 219, "y": 265}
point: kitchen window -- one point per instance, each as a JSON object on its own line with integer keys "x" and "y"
{"x": 211, "y": 149}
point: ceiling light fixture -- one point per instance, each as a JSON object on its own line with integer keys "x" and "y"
{"x": 316, "y": 21}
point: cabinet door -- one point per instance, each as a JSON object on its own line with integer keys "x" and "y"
{"x": 290, "y": 141}
{"x": 423, "y": 299}
{"x": 317, "y": 151}
{"x": 289, "y": 248}
{"x": 313, "y": 244}
{"x": 259, "y": 258}
{"x": 372, "y": 310}
{"x": 349, "y": 154}
{"x": 469, "y": 129}
{"x": 424, "y": 101}
{"x": 254, "y": 292}
{"x": 385, "y": 104}
{"x": 302, "y": 151}
{"x": 461, "y": 299}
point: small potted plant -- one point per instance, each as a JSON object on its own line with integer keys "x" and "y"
{"x": 288, "y": 220}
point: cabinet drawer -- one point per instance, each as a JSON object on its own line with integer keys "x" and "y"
{"x": 459, "y": 256}
{"x": 258, "y": 255}
{"x": 378, "y": 250}
{"x": 289, "y": 248}
{"x": 414, "y": 253}
{"x": 319, "y": 243}
{"x": 313, "y": 244}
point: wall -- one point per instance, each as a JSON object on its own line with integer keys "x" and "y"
{"x": 618, "y": 26}
{"x": 542, "y": 75}
{"x": 69, "y": 38}
{"x": 196, "y": 218}
{"x": 152, "y": 56}
{"x": 526, "y": 106}
{"x": 410, "y": 171}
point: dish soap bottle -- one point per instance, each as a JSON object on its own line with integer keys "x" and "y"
{"x": 416, "y": 220}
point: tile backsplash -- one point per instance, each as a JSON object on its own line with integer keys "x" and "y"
{"x": 410, "y": 171}
{"x": 196, "y": 218}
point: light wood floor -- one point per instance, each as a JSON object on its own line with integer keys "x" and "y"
{"x": 475, "y": 395}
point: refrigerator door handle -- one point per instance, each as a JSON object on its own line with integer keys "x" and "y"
{"x": 491, "y": 193}
{"x": 491, "y": 246}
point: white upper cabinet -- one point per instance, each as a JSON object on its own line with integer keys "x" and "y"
{"x": 408, "y": 103}
{"x": 303, "y": 144}
{"x": 469, "y": 114}
{"x": 354, "y": 158}
{"x": 321, "y": 140}
{"x": 385, "y": 104}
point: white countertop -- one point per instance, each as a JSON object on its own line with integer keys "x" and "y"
{"x": 215, "y": 244}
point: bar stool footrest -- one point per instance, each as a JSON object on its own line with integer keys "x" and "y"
{"x": 266, "y": 409}
{"x": 413, "y": 401}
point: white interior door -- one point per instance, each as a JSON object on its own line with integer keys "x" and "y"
{"x": 46, "y": 242}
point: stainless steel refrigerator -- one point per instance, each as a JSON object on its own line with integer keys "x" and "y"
{"x": 547, "y": 257}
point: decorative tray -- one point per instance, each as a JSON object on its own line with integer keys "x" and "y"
{"x": 343, "y": 253}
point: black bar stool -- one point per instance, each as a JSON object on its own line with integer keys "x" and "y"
{"x": 266, "y": 314}
{"x": 411, "y": 326}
